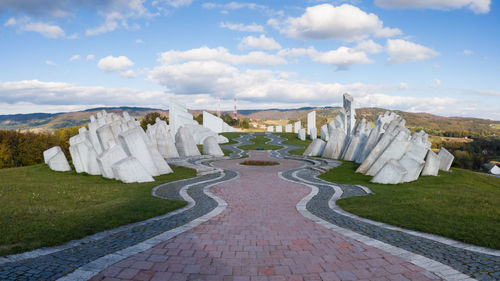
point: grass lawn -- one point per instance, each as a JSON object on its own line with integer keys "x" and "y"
{"x": 461, "y": 205}
{"x": 230, "y": 137}
{"x": 260, "y": 140}
{"x": 294, "y": 140}
{"x": 40, "y": 207}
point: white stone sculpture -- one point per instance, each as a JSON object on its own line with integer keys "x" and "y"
{"x": 391, "y": 173}
{"x": 216, "y": 124}
{"x": 313, "y": 134}
{"x": 279, "y": 129}
{"x": 296, "y": 127}
{"x": 108, "y": 158}
{"x": 270, "y": 129}
{"x": 302, "y": 134}
{"x": 335, "y": 144}
{"x": 162, "y": 138}
{"x": 445, "y": 159}
{"x": 431, "y": 167}
{"x": 211, "y": 147}
{"x": 311, "y": 121}
{"x": 179, "y": 116}
{"x": 324, "y": 132}
{"x": 55, "y": 158}
{"x": 185, "y": 143}
{"x": 315, "y": 148}
{"x": 351, "y": 113}
{"x": 130, "y": 170}
{"x": 288, "y": 128}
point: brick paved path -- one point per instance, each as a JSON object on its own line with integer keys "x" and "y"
{"x": 261, "y": 236}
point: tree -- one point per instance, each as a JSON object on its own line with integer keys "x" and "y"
{"x": 199, "y": 118}
{"x": 150, "y": 118}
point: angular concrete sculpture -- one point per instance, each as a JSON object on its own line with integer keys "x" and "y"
{"x": 392, "y": 173}
{"x": 335, "y": 144}
{"x": 108, "y": 158}
{"x": 324, "y": 132}
{"x": 311, "y": 121}
{"x": 431, "y": 167}
{"x": 211, "y": 147}
{"x": 302, "y": 134}
{"x": 130, "y": 170}
{"x": 279, "y": 129}
{"x": 413, "y": 166}
{"x": 351, "y": 113}
{"x": 313, "y": 134}
{"x": 288, "y": 128}
{"x": 296, "y": 127}
{"x": 162, "y": 138}
{"x": 55, "y": 158}
{"x": 315, "y": 148}
{"x": 185, "y": 143}
{"x": 445, "y": 159}
{"x": 216, "y": 124}
{"x": 270, "y": 129}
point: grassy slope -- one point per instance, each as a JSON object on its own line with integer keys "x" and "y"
{"x": 461, "y": 205}
{"x": 45, "y": 208}
{"x": 230, "y": 137}
{"x": 260, "y": 140}
{"x": 294, "y": 140}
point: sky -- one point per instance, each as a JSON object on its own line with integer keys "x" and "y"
{"x": 435, "y": 56}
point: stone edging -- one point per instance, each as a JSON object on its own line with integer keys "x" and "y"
{"x": 435, "y": 267}
{"x": 93, "y": 268}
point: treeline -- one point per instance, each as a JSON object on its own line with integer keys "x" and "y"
{"x": 26, "y": 148}
{"x": 472, "y": 155}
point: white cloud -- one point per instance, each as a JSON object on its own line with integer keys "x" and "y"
{"x": 402, "y": 51}
{"x": 344, "y": 22}
{"x": 220, "y": 54}
{"x": 75, "y": 57}
{"x": 468, "y": 52}
{"x": 436, "y": 84}
{"x": 139, "y": 41}
{"x": 403, "y": 86}
{"x": 242, "y": 27}
{"x": 49, "y": 62}
{"x": 261, "y": 42}
{"x": 477, "y": 6}
{"x": 110, "y": 24}
{"x": 342, "y": 57}
{"x": 110, "y": 63}
{"x": 369, "y": 46}
{"x": 45, "y": 29}
{"x": 178, "y": 3}
{"x": 128, "y": 74}
{"x": 90, "y": 57}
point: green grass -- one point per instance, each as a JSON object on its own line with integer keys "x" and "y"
{"x": 461, "y": 205}
{"x": 260, "y": 140}
{"x": 40, "y": 207}
{"x": 231, "y": 137}
{"x": 294, "y": 140}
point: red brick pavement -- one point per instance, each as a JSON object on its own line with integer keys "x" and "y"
{"x": 261, "y": 236}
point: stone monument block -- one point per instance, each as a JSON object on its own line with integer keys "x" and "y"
{"x": 335, "y": 144}
{"x": 56, "y": 159}
{"x": 315, "y": 148}
{"x": 130, "y": 170}
{"x": 302, "y": 134}
{"x": 297, "y": 126}
{"x": 185, "y": 143}
{"x": 311, "y": 121}
{"x": 391, "y": 173}
{"x": 324, "y": 132}
{"x": 108, "y": 158}
{"x": 288, "y": 128}
{"x": 279, "y": 129}
{"x": 431, "y": 167}
{"x": 445, "y": 159}
{"x": 211, "y": 147}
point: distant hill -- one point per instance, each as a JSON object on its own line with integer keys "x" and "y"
{"x": 433, "y": 124}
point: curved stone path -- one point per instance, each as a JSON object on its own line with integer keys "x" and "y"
{"x": 261, "y": 236}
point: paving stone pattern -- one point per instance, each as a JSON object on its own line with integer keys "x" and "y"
{"x": 478, "y": 265}
{"x": 261, "y": 236}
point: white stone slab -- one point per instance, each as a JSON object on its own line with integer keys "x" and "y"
{"x": 313, "y": 134}
{"x": 296, "y": 127}
{"x": 395, "y": 150}
{"x": 391, "y": 173}
{"x": 311, "y": 121}
{"x": 108, "y": 158}
{"x": 279, "y": 129}
{"x": 413, "y": 164}
{"x": 130, "y": 170}
{"x": 324, "y": 135}
{"x": 270, "y": 129}
{"x": 445, "y": 159}
{"x": 288, "y": 128}
{"x": 57, "y": 162}
{"x": 335, "y": 144}
{"x": 351, "y": 113}
{"x": 302, "y": 134}
{"x": 185, "y": 144}
{"x": 431, "y": 167}
{"x": 211, "y": 147}
{"x": 315, "y": 148}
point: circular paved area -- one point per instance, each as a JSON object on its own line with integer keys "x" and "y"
{"x": 262, "y": 236}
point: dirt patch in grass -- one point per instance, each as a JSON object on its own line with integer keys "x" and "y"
{"x": 259, "y": 163}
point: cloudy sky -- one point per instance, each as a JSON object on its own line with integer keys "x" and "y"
{"x": 437, "y": 56}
